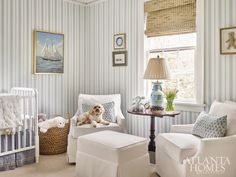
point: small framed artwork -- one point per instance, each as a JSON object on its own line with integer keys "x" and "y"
{"x": 119, "y": 41}
{"x": 120, "y": 58}
{"x": 48, "y": 52}
{"x": 228, "y": 40}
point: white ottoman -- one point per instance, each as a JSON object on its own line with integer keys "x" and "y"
{"x": 112, "y": 154}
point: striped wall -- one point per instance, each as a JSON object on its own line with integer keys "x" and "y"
{"x": 220, "y": 70}
{"x": 103, "y": 20}
{"x": 18, "y": 19}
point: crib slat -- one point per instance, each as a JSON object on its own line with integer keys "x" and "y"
{"x": 28, "y": 120}
{"x": 25, "y": 126}
{"x": 30, "y": 131}
{"x": 12, "y": 142}
{"x": 6, "y": 144}
{"x": 19, "y": 140}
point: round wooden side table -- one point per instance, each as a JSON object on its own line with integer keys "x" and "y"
{"x": 153, "y": 114}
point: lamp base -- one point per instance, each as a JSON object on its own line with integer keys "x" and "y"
{"x": 157, "y": 108}
{"x": 157, "y": 96}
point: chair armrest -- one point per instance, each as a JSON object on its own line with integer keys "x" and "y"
{"x": 218, "y": 146}
{"x": 214, "y": 150}
{"x": 186, "y": 128}
{"x": 121, "y": 121}
{"x": 73, "y": 120}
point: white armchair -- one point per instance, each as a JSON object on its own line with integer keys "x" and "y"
{"x": 182, "y": 154}
{"x": 76, "y": 131}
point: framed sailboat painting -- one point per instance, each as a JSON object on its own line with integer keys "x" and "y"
{"x": 48, "y": 53}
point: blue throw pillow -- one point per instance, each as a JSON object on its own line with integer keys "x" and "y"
{"x": 109, "y": 114}
{"x": 210, "y": 126}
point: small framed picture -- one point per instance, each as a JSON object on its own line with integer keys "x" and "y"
{"x": 120, "y": 58}
{"x": 228, "y": 40}
{"x": 119, "y": 41}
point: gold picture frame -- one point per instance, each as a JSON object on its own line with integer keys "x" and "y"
{"x": 228, "y": 40}
{"x": 120, "y": 58}
{"x": 48, "y": 52}
{"x": 119, "y": 41}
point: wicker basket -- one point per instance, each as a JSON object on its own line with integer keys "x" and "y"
{"x": 54, "y": 141}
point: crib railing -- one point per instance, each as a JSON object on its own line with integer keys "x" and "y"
{"x": 26, "y": 137}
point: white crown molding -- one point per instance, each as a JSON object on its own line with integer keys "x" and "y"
{"x": 84, "y": 2}
{"x": 75, "y": 2}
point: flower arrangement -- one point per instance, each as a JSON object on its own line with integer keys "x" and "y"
{"x": 170, "y": 96}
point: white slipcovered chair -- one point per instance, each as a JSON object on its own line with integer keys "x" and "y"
{"x": 182, "y": 154}
{"x": 77, "y": 131}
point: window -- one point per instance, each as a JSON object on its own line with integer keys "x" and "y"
{"x": 179, "y": 50}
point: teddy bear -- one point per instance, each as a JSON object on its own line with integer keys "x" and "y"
{"x": 42, "y": 117}
{"x": 50, "y": 123}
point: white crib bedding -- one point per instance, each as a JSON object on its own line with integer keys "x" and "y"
{"x": 28, "y": 123}
{"x": 11, "y": 108}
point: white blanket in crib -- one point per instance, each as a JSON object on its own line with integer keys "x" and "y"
{"x": 10, "y": 112}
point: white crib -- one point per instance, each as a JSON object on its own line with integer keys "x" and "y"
{"x": 26, "y": 137}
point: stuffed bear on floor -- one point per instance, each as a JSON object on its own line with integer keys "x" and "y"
{"x": 50, "y": 123}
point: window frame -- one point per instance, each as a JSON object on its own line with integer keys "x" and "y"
{"x": 199, "y": 105}
{"x": 199, "y": 58}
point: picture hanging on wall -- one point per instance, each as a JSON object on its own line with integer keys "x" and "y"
{"x": 119, "y": 41}
{"x": 228, "y": 40}
{"x": 48, "y": 53}
{"x": 120, "y": 58}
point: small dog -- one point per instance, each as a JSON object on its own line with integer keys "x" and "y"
{"x": 93, "y": 116}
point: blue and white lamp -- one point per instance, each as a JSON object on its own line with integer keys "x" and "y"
{"x": 157, "y": 69}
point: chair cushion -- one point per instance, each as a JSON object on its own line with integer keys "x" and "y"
{"x": 91, "y": 99}
{"x": 113, "y": 146}
{"x": 229, "y": 109}
{"x": 76, "y": 131}
{"x": 178, "y": 146}
{"x": 109, "y": 114}
{"x": 210, "y": 126}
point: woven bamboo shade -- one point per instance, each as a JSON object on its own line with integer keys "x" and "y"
{"x": 167, "y": 17}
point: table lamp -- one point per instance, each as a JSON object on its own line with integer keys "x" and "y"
{"x": 157, "y": 69}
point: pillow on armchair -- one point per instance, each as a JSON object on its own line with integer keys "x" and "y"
{"x": 109, "y": 114}
{"x": 210, "y": 126}
{"x": 101, "y": 99}
{"x": 226, "y": 108}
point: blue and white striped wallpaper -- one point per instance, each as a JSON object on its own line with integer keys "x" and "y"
{"x": 220, "y": 70}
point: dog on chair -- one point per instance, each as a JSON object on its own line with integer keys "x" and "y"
{"x": 93, "y": 116}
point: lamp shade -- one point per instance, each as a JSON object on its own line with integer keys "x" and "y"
{"x": 157, "y": 69}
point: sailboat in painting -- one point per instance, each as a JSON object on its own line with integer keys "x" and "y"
{"x": 50, "y": 53}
